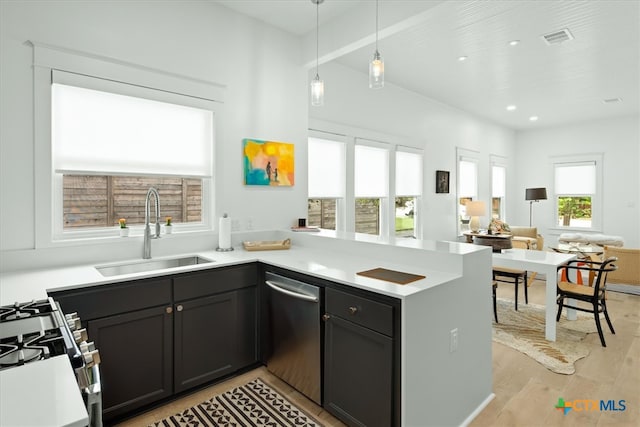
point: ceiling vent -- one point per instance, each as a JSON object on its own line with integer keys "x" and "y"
{"x": 557, "y": 37}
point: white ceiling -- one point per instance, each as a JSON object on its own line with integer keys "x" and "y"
{"x": 421, "y": 41}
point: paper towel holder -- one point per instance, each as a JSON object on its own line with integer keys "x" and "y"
{"x": 230, "y": 248}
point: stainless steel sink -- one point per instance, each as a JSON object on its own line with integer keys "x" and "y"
{"x": 149, "y": 265}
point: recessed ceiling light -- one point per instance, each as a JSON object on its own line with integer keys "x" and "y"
{"x": 462, "y": 58}
{"x": 533, "y": 118}
{"x": 511, "y": 107}
{"x": 514, "y": 42}
{"x": 612, "y": 100}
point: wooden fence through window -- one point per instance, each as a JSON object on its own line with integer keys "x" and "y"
{"x": 322, "y": 213}
{"x": 99, "y": 201}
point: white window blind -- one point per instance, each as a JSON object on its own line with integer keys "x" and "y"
{"x": 408, "y": 174}
{"x": 371, "y": 172}
{"x": 326, "y": 168}
{"x": 96, "y": 132}
{"x": 468, "y": 180}
{"x": 575, "y": 178}
{"x": 498, "y": 183}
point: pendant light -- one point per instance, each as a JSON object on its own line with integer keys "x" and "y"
{"x": 376, "y": 66}
{"x": 317, "y": 85}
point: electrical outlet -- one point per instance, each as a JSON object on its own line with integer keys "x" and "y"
{"x": 235, "y": 225}
{"x": 453, "y": 340}
{"x": 249, "y": 224}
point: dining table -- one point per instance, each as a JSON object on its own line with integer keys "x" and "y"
{"x": 544, "y": 263}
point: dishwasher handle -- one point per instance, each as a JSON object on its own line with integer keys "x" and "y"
{"x": 274, "y": 285}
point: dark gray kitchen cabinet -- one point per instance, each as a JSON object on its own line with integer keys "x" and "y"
{"x": 214, "y": 336}
{"x": 215, "y": 328}
{"x": 205, "y": 336}
{"x": 136, "y": 350}
{"x": 359, "y": 360}
{"x": 161, "y": 336}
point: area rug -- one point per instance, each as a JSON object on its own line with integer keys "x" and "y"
{"x": 253, "y": 404}
{"x": 523, "y": 330}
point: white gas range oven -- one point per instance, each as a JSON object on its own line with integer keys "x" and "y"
{"x": 49, "y": 373}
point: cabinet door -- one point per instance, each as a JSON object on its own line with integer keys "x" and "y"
{"x": 136, "y": 358}
{"x": 357, "y": 374}
{"x": 206, "y": 339}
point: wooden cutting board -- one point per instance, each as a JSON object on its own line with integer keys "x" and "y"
{"x": 393, "y": 276}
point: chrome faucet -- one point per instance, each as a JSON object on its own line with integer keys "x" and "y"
{"x": 147, "y": 228}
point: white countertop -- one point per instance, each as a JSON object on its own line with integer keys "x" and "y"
{"x": 336, "y": 257}
{"x": 335, "y": 265}
{"x": 43, "y": 393}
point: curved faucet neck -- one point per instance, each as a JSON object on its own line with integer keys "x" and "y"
{"x": 152, "y": 192}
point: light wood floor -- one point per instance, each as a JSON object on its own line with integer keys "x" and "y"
{"x": 525, "y": 391}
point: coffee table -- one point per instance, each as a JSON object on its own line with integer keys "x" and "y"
{"x": 578, "y": 248}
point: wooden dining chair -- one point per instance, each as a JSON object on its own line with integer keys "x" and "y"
{"x": 594, "y": 295}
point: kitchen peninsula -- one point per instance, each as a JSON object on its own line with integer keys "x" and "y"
{"x": 445, "y": 367}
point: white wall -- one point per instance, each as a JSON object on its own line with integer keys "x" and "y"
{"x": 260, "y": 66}
{"x": 619, "y": 141}
{"x": 435, "y": 127}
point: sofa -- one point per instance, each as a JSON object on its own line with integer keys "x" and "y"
{"x": 526, "y": 237}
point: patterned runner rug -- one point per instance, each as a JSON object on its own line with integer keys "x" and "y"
{"x": 523, "y": 330}
{"x": 253, "y": 404}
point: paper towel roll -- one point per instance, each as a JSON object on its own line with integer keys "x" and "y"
{"x": 224, "y": 232}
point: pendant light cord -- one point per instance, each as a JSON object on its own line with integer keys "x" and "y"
{"x": 317, "y": 36}
{"x": 376, "y": 26}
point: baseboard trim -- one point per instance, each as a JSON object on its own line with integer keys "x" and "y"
{"x": 477, "y": 411}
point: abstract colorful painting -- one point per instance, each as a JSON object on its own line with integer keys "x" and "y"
{"x": 268, "y": 163}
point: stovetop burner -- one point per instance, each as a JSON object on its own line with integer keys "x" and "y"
{"x": 33, "y": 308}
{"x": 21, "y": 349}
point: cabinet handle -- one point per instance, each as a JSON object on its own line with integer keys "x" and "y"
{"x": 179, "y": 308}
{"x": 326, "y": 317}
{"x": 169, "y": 310}
{"x": 353, "y": 310}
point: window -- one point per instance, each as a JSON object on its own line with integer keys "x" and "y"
{"x": 408, "y": 191}
{"x": 576, "y": 188}
{"x": 371, "y": 188}
{"x": 92, "y": 201}
{"x": 498, "y": 191}
{"x": 112, "y": 141}
{"x": 326, "y": 166}
{"x": 467, "y": 185}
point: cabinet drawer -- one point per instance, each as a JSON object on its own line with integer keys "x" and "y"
{"x": 107, "y": 300}
{"x": 215, "y": 281}
{"x": 365, "y": 312}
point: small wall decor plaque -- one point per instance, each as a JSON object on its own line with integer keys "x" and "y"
{"x": 268, "y": 163}
{"x": 442, "y": 181}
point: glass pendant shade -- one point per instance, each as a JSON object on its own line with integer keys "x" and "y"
{"x": 317, "y": 92}
{"x": 376, "y": 71}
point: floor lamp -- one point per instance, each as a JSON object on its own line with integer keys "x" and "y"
{"x": 534, "y": 195}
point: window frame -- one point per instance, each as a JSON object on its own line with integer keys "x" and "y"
{"x": 500, "y": 162}
{"x": 596, "y": 198}
{"x": 417, "y": 211}
{"x": 385, "y": 204}
{"x": 463, "y": 154}
{"x": 48, "y": 186}
{"x": 340, "y": 201}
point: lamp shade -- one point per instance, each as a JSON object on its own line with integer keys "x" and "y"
{"x": 476, "y": 208}
{"x": 536, "y": 194}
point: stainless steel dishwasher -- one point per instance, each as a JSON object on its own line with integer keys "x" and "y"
{"x": 294, "y": 333}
